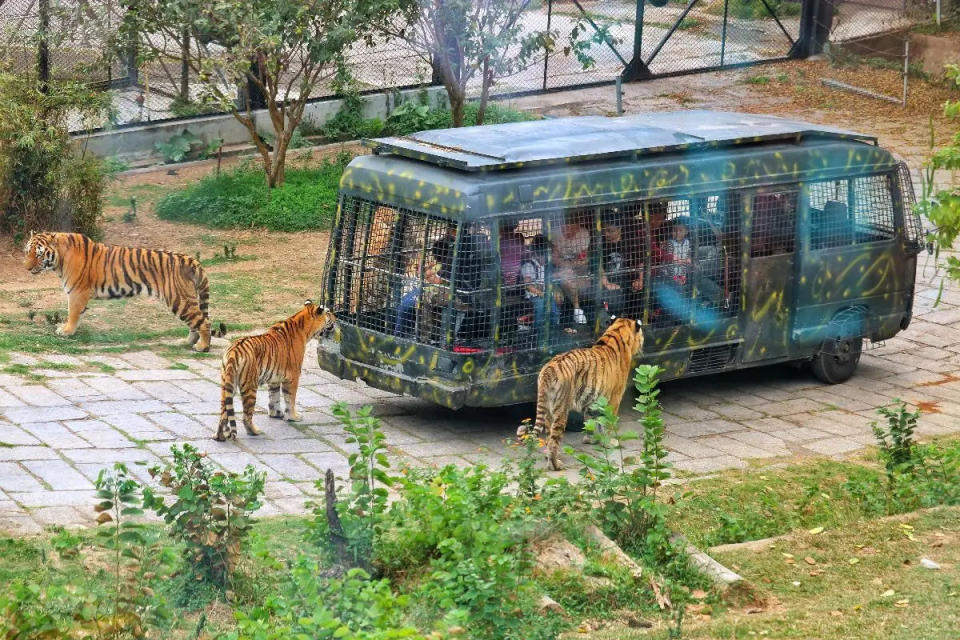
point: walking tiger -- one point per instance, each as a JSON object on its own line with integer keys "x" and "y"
{"x": 273, "y": 358}
{"x": 574, "y": 380}
{"x": 89, "y": 269}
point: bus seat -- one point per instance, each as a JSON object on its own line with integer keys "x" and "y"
{"x": 832, "y": 227}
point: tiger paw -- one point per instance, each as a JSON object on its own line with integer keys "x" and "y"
{"x": 252, "y": 430}
{"x": 276, "y": 414}
{"x": 293, "y": 416}
{"x": 65, "y": 330}
{"x": 202, "y": 346}
{"x": 193, "y": 337}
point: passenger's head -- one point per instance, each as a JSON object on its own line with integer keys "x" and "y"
{"x": 539, "y": 246}
{"x": 679, "y": 230}
{"x": 573, "y": 220}
{"x": 611, "y": 225}
{"x": 657, "y": 212}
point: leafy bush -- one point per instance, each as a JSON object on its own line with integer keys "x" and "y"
{"x": 241, "y": 199}
{"x": 352, "y": 608}
{"x": 409, "y": 117}
{"x": 178, "y": 146}
{"x": 46, "y": 182}
{"x": 139, "y": 557}
{"x": 209, "y": 512}
{"x": 624, "y": 487}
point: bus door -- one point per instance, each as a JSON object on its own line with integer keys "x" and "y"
{"x": 770, "y": 218}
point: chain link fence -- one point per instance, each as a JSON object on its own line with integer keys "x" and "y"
{"x": 640, "y": 41}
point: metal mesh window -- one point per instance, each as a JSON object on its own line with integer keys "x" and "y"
{"x": 524, "y": 257}
{"x": 572, "y": 273}
{"x": 913, "y": 228}
{"x": 873, "y": 216}
{"x": 774, "y": 220}
{"x": 855, "y": 211}
{"x": 694, "y": 259}
{"x": 830, "y": 222}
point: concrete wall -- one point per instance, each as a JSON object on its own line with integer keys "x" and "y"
{"x": 136, "y": 144}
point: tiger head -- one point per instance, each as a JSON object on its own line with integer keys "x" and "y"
{"x": 629, "y": 331}
{"x": 41, "y": 253}
{"x": 317, "y": 320}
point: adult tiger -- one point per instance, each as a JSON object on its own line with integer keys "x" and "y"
{"x": 574, "y": 380}
{"x": 273, "y": 358}
{"x": 89, "y": 269}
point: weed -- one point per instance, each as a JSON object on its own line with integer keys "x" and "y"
{"x": 178, "y": 147}
{"x": 624, "y": 487}
{"x": 210, "y": 512}
{"x": 758, "y": 79}
{"x": 178, "y": 366}
{"x": 130, "y": 215}
{"x": 139, "y": 558}
{"x": 896, "y": 440}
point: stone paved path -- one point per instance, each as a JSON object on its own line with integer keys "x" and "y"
{"x": 57, "y": 433}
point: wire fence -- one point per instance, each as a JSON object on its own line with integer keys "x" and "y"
{"x": 642, "y": 41}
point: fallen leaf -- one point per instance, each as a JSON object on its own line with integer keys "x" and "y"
{"x": 836, "y": 613}
{"x": 887, "y": 593}
{"x": 902, "y": 603}
{"x": 816, "y": 531}
{"x": 809, "y": 560}
{"x": 796, "y": 583}
{"x": 790, "y": 561}
{"x": 787, "y": 555}
{"x": 816, "y": 572}
{"x": 698, "y": 594}
{"x": 853, "y": 560}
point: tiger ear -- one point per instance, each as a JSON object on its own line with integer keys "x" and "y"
{"x": 613, "y": 318}
{"x": 307, "y": 302}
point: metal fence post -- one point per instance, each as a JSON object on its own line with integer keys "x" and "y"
{"x": 546, "y": 57}
{"x": 816, "y": 19}
{"x": 636, "y": 69}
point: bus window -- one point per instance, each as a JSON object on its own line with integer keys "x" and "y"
{"x": 873, "y": 213}
{"x": 774, "y": 220}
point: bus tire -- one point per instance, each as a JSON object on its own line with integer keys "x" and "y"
{"x": 834, "y": 368}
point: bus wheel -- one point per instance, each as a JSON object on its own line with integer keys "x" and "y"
{"x": 834, "y": 368}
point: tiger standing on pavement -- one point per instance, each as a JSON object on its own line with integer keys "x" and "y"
{"x": 574, "y": 380}
{"x": 273, "y": 358}
{"x": 92, "y": 270}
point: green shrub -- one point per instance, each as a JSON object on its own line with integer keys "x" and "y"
{"x": 241, "y": 199}
{"x": 352, "y": 608}
{"x": 209, "y": 512}
{"x": 46, "y": 182}
{"x": 624, "y": 487}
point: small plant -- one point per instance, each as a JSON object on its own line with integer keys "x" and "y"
{"x": 897, "y": 448}
{"x": 213, "y": 148}
{"x": 138, "y": 557}
{"x": 178, "y": 147}
{"x": 210, "y": 512}
{"x": 130, "y": 215}
{"x": 624, "y": 487}
{"x": 363, "y": 504}
{"x": 758, "y": 79}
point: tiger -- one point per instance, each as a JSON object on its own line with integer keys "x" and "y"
{"x": 89, "y": 269}
{"x": 273, "y": 358}
{"x": 574, "y": 380}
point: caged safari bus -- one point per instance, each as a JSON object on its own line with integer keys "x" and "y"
{"x": 463, "y": 259}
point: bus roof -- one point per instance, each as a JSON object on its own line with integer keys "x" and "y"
{"x": 590, "y": 138}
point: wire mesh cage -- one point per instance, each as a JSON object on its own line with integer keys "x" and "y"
{"x": 851, "y": 211}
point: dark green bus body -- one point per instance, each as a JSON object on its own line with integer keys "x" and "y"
{"x": 845, "y": 271}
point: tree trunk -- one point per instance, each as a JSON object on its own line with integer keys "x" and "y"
{"x": 457, "y": 99}
{"x": 185, "y": 67}
{"x": 487, "y": 78}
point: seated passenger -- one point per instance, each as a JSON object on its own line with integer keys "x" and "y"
{"x": 511, "y": 252}
{"x": 678, "y": 250}
{"x": 532, "y": 272}
{"x": 572, "y": 267}
{"x": 621, "y": 264}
